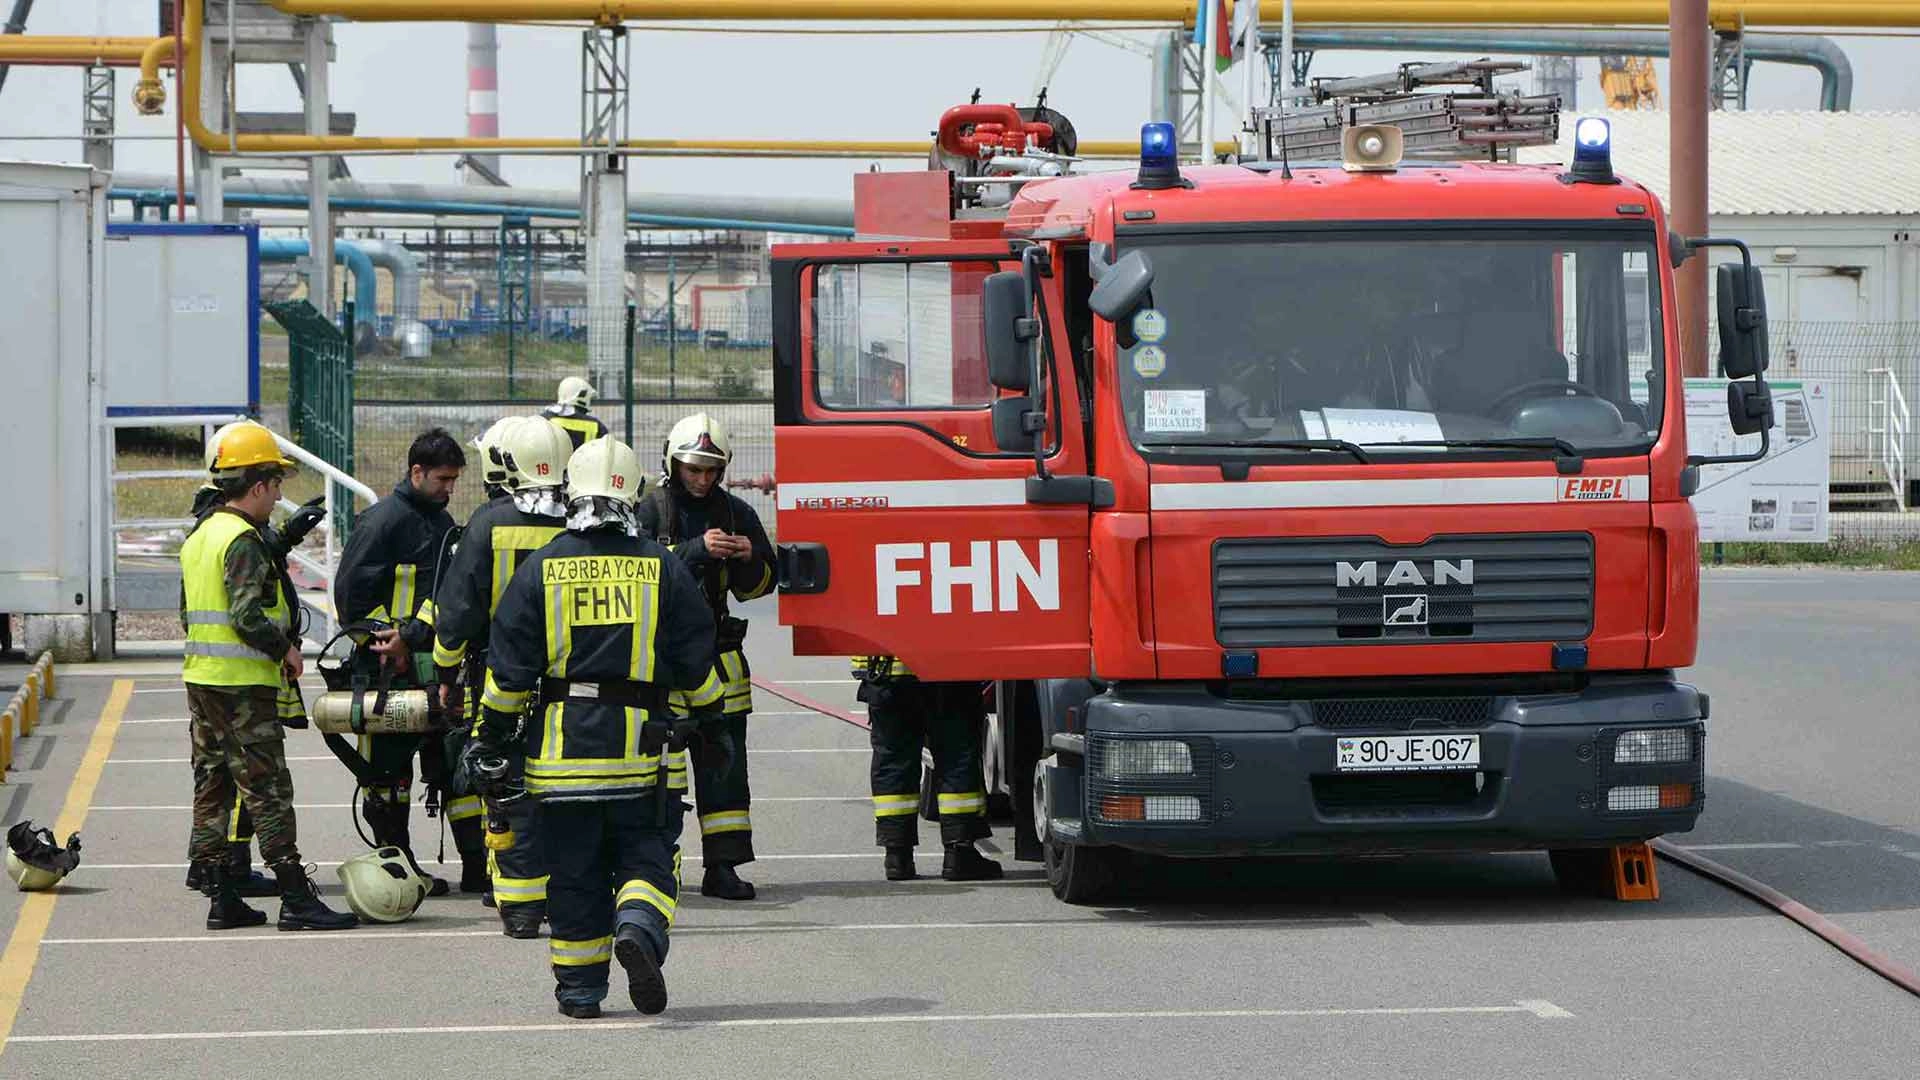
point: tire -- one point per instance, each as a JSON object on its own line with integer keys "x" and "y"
{"x": 1581, "y": 871}
{"x": 1081, "y": 875}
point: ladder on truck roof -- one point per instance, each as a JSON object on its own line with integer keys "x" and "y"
{"x": 1480, "y": 122}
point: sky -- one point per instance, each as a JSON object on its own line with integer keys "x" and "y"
{"x": 409, "y": 79}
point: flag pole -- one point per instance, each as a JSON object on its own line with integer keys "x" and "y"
{"x": 1203, "y": 37}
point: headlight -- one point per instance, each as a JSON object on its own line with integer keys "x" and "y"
{"x": 1146, "y": 757}
{"x": 1653, "y": 746}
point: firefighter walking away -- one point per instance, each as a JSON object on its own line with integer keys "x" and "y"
{"x": 593, "y": 633}
{"x": 570, "y": 411}
{"x": 721, "y": 540}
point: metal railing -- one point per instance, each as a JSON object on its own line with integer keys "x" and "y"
{"x": 331, "y": 502}
{"x": 1888, "y": 423}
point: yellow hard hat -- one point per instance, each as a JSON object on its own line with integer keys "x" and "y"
{"x": 245, "y": 445}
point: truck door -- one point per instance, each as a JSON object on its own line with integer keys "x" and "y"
{"x": 903, "y": 528}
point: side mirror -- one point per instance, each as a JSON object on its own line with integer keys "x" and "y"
{"x": 1749, "y": 407}
{"x": 1742, "y": 299}
{"x": 1122, "y": 287}
{"x": 1015, "y": 422}
{"x": 1007, "y": 314}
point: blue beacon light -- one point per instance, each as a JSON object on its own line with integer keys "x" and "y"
{"x": 1592, "y": 151}
{"x": 1159, "y": 157}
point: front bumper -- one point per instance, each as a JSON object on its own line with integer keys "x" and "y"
{"x": 1263, "y": 778}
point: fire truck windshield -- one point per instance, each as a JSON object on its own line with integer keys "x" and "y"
{"x": 1376, "y": 338}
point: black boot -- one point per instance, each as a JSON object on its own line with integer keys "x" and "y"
{"x": 228, "y": 911}
{"x": 722, "y": 882}
{"x": 198, "y": 879}
{"x": 586, "y": 1011}
{"x": 474, "y": 877}
{"x": 645, "y": 985}
{"x": 900, "y": 864}
{"x": 300, "y": 906}
{"x": 246, "y": 880}
{"x": 522, "y": 921}
{"x": 964, "y": 863}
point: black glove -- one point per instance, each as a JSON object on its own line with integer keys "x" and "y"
{"x": 302, "y": 521}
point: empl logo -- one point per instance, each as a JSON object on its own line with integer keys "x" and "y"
{"x": 1593, "y": 488}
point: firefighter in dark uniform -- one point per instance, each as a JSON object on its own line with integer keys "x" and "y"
{"x": 721, "y": 540}
{"x": 593, "y": 633}
{"x": 948, "y": 719}
{"x": 570, "y": 411}
{"x": 289, "y": 706}
{"x": 387, "y": 572}
{"x": 529, "y": 456}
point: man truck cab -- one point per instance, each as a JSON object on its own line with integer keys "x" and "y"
{"x": 1288, "y": 507}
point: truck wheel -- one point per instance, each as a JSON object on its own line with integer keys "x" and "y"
{"x": 1581, "y": 871}
{"x": 1079, "y": 874}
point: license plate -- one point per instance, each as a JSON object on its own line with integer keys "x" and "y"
{"x": 1406, "y": 753}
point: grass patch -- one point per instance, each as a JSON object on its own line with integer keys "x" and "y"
{"x": 1898, "y": 556}
{"x": 159, "y": 499}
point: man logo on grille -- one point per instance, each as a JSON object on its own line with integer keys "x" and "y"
{"x": 1404, "y": 609}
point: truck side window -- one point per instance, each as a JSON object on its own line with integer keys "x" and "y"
{"x": 900, "y": 336}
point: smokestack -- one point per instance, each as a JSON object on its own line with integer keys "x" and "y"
{"x": 483, "y": 96}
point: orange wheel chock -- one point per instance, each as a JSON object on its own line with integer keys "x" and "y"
{"x": 1633, "y": 872}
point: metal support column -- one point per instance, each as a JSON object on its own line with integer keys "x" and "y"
{"x": 96, "y": 117}
{"x": 208, "y": 199}
{"x": 1730, "y": 70}
{"x": 1687, "y": 155}
{"x": 313, "y": 33}
{"x": 515, "y": 274}
{"x": 604, "y": 69}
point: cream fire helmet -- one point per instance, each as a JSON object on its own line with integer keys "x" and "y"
{"x": 382, "y": 886}
{"x": 492, "y": 472}
{"x": 606, "y": 468}
{"x": 34, "y": 861}
{"x": 534, "y": 452}
{"x": 697, "y": 440}
{"x": 575, "y": 391}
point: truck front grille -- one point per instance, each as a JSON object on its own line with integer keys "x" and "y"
{"x": 1292, "y": 591}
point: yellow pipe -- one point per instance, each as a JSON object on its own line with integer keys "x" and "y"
{"x": 149, "y": 96}
{"x": 19, "y": 49}
{"x": 81, "y": 39}
{"x": 1581, "y": 12}
{"x": 1752, "y": 12}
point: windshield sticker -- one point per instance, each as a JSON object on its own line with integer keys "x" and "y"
{"x": 1366, "y": 426}
{"x": 1149, "y": 325}
{"x": 1176, "y": 410}
{"x": 1149, "y": 361}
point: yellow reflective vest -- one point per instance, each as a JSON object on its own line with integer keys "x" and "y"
{"x": 215, "y": 654}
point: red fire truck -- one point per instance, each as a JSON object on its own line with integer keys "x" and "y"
{"x": 1288, "y": 506}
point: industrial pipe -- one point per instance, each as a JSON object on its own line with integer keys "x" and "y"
{"x": 1755, "y": 12}
{"x": 1692, "y": 59}
{"x": 1807, "y": 50}
{"x": 1721, "y": 13}
{"x": 149, "y": 96}
{"x": 349, "y": 252}
{"x": 164, "y": 196}
{"x": 74, "y": 52}
{"x": 413, "y": 337}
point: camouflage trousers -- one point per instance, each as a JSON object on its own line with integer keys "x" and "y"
{"x": 239, "y": 752}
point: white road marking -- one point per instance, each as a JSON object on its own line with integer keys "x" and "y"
{"x": 733, "y": 928}
{"x": 818, "y": 750}
{"x": 156, "y": 720}
{"x": 874, "y": 854}
{"x": 1759, "y": 845}
{"x": 808, "y": 712}
{"x": 809, "y": 682}
{"x": 189, "y": 761}
{"x": 1545, "y": 1010}
{"x": 163, "y": 690}
{"x": 344, "y": 806}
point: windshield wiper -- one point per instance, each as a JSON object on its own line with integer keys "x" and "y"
{"x": 1567, "y": 457}
{"x": 1340, "y": 446}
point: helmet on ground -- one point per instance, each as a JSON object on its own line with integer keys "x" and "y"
{"x": 492, "y": 472}
{"x": 575, "y": 390}
{"x": 533, "y": 452}
{"x": 245, "y": 445}
{"x": 697, "y": 440}
{"x": 382, "y": 885}
{"x": 605, "y": 468}
{"x": 34, "y": 861}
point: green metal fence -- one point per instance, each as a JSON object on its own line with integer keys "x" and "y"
{"x": 319, "y": 391}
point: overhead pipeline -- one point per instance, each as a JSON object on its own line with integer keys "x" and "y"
{"x": 348, "y": 252}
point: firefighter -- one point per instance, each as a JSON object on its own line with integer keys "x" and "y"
{"x": 289, "y": 706}
{"x": 593, "y": 633}
{"x": 530, "y": 456}
{"x": 570, "y": 411}
{"x": 948, "y": 719}
{"x": 720, "y": 539}
{"x": 241, "y": 649}
{"x": 388, "y": 572}
{"x": 493, "y": 475}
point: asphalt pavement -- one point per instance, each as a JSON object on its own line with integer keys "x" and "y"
{"x": 1418, "y": 967}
